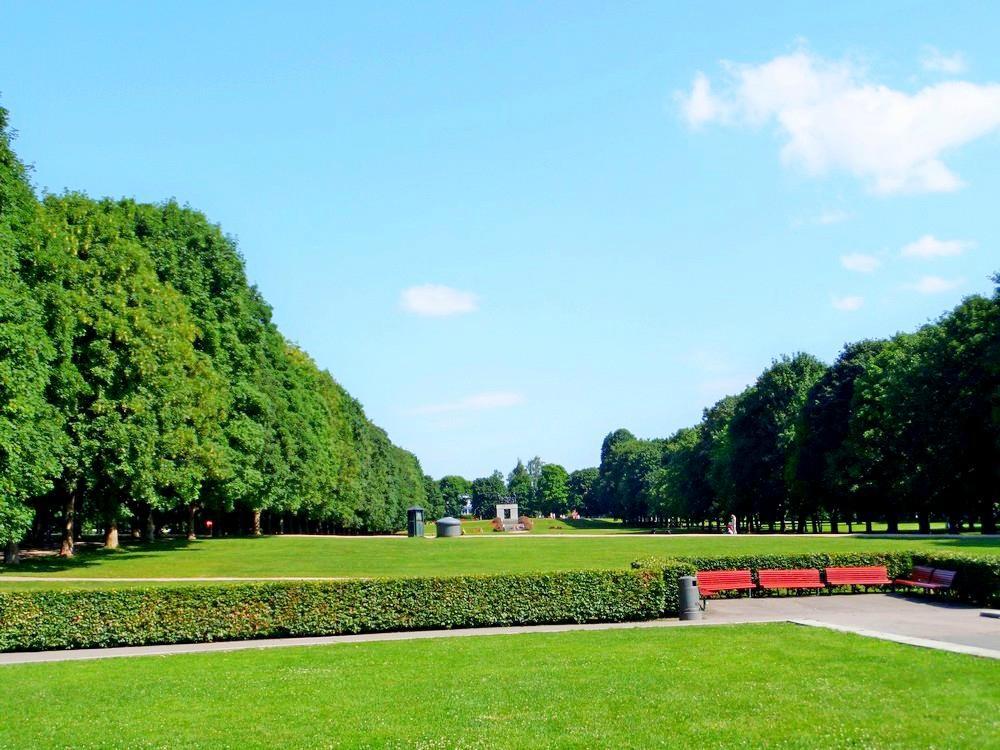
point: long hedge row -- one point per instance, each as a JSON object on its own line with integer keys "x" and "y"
{"x": 977, "y": 580}
{"x": 36, "y": 620}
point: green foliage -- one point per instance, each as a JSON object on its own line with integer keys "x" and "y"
{"x": 521, "y": 487}
{"x": 141, "y": 376}
{"x": 30, "y": 434}
{"x": 486, "y": 493}
{"x": 582, "y": 488}
{"x": 453, "y": 491}
{"x": 977, "y": 579}
{"x": 85, "y": 619}
{"x": 553, "y": 490}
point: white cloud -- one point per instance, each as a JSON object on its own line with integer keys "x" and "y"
{"x": 435, "y": 300}
{"x": 476, "y": 402}
{"x": 935, "y": 61}
{"x": 934, "y": 285}
{"x": 929, "y": 246}
{"x": 701, "y": 105}
{"x": 833, "y": 118}
{"x": 848, "y": 304}
{"x": 860, "y": 262}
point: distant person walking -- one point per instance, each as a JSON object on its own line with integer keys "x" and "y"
{"x": 731, "y": 526}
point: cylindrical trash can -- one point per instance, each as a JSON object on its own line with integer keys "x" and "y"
{"x": 688, "y": 598}
{"x": 449, "y": 526}
{"x": 415, "y": 521}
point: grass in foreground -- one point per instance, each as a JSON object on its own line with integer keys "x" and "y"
{"x": 724, "y": 686}
{"x": 393, "y": 557}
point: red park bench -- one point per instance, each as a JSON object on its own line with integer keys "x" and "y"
{"x": 711, "y": 582}
{"x": 875, "y": 575}
{"x": 804, "y": 578}
{"x": 927, "y": 578}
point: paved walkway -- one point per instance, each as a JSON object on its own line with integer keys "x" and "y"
{"x": 915, "y": 622}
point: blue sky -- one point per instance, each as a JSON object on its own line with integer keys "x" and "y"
{"x": 510, "y": 228}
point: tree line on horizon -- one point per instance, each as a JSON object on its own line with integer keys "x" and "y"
{"x": 899, "y": 429}
{"x": 143, "y": 382}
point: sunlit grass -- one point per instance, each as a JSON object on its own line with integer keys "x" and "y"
{"x": 725, "y": 686}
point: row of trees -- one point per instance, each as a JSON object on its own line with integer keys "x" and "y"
{"x": 894, "y": 429}
{"x": 142, "y": 381}
{"x": 539, "y": 488}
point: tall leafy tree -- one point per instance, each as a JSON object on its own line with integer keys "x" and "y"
{"x": 818, "y": 470}
{"x": 486, "y": 493}
{"x": 30, "y": 434}
{"x": 553, "y": 489}
{"x": 581, "y": 486}
{"x": 521, "y": 486}
{"x": 761, "y": 434}
{"x": 454, "y": 489}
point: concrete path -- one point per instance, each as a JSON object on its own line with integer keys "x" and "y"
{"x": 915, "y": 622}
{"x": 917, "y": 618}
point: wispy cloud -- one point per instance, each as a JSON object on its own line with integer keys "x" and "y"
{"x": 936, "y": 61}
{"x": 849, "y": 303}
{"x": 833, "y": 117}
{"x": 935, "y": 285}
{"x": 930, "y": 246}
{"x": 476, "y": 402}
{"x": 436, "y": 300}
{"x": 860, "y": 262}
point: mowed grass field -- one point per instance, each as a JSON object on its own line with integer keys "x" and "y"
{"x": 726, "y": 686}
{"x": 333, "y": 557}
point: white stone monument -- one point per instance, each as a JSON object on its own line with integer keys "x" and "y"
{"x": 507, "y": 513}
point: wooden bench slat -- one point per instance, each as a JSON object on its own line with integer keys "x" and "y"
{"x": 713, "y": 581}
{"x": 804, "y": 578}
{"x": 860, "y": 575}
{"x": 924, "y": 577}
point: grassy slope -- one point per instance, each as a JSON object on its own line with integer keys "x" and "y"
{"x": 734, "y": 686}
{"x": 361, "y": 556}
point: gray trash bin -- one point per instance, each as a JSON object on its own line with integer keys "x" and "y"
{"x": 688, "y": 598}
{"x": 449, "y": 526}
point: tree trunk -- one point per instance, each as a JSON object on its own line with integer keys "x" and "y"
{"x": 868, "y": 526}
{"x": 11, "y": 553}
{"x": 924, "y": 521}
{"x": 834, "y": 524}
{"x": 256, "y": 522}
{"x": 892, "y": 524}
{"x": 989, "y": 519}
{"x": 192, "y": 509}
{"x": 69, "y": 511}
{"x": 111, "y": 535}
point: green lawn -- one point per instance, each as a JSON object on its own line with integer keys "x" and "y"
{"x": 725, "y": 686}
{"x": 554, "y": 526}
{"x": 390, "y": 557}
{"x": 612, "y": 526}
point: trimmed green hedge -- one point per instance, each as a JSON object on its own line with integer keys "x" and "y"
{"x": 977, "y": 580}
{"x": 34, "y": 620}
